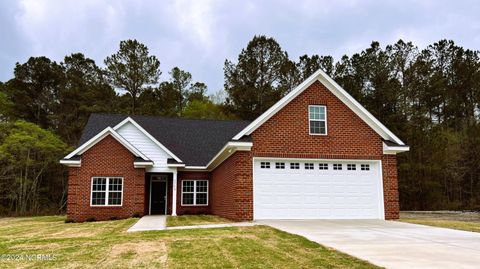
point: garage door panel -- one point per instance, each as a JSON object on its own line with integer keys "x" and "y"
{"x": 316, "y": 194}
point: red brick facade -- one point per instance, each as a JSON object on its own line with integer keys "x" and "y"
{"x": 284, "y": 135}
{"x": 390, "y": 187}
{"x": 107, "y": 158}
{"x": 231, "y": 188}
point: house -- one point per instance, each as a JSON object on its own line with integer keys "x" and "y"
{"x": 315, "y": 154}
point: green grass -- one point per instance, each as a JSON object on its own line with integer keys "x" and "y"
{"x": 188, "y": 220}
{"x": 106, "y": 244}
{"x": 459, "y": 221}
{"x": 452, "y": 224}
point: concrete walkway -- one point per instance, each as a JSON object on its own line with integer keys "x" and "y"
{"x": 389, "y": 243}
{"x": 150, "y": 223}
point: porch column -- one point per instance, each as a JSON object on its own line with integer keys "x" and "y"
{"x": 174, "y": 194}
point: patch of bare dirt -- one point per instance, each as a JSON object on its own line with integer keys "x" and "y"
{"x": 148, "y": 254}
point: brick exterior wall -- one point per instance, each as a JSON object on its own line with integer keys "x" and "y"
{"x": 107, "y": 158}
{"x": 286, "y": 135}
{"x": 231, "y": 188}
{"x": 390, "y": 187}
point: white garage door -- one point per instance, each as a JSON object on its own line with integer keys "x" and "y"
{"x": 317, "y": 189}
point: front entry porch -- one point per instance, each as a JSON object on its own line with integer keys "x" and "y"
{"x": 160, "y": 194}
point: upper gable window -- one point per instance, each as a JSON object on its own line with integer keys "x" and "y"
{"x": 317, "y": 119}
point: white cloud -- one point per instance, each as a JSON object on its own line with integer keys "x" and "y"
{"x": 199, "y": 35}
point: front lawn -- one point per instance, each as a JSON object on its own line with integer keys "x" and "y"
{"x": 107, "y": 244}
{"x": 466, "y": 221}
{"x": 188, "y": 220}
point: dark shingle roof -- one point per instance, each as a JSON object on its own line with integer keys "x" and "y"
{"x": 195, "y": 142}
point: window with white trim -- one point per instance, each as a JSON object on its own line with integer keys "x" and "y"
{"x": 294, "y": 165}
{"x": 323, "y": 166}
{"x": 365, "y": 167}
{"x": 337, "y": 166}
{"x": 106, "y": 191}
{"x": 351, "y": 166}
{"x": 279, "y": 165}
{"x": 317, "y": 119}
{"x": 194, "y": 192}
{"x": 265, "y": 165}
{"x": 308, "y": 166}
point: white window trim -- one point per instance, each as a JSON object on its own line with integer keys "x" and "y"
{"x": 106, "y": 192}
{"x": 325, "y": 120}
{"x": 195, "y": 192}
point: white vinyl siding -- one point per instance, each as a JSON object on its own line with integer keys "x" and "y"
{"x": 144, "y": 145}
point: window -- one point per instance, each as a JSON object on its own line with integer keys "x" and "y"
{"x": 265, "y": 165}
{"x": 365, "y": 167}
{"x": 323, "y": 166}
{"x": 337, "y": 166}
{"x": 194, "y": 192}
{"x": 351, "y": 166}
{"x": 308, "y": 166}
{"x": 106, "y": 191}
{"x": 280, "y": 165}
{"x": 294, "y": 166}
{"x": 317, "y": 118}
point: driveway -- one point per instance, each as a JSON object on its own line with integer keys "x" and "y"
{"x": 389, "y": 243}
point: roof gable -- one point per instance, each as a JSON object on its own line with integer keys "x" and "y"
{"x": 195, "y": 142}
{"x": 99, "y": 137}
{"x": 338, "y": 91}
{"x": 149, "y": 136}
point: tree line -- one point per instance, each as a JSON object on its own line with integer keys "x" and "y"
{"x": 428, "y": 97}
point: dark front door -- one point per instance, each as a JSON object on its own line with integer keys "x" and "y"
{"x": 158, "y": 197}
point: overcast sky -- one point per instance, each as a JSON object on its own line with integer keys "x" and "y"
{"x": 198, "y": 36}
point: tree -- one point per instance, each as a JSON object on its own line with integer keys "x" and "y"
{"x": 175, "y": 94}
{"x": 205, "y": 109}
{"x": 170, "y": 99}
{"x": 307, "y": 65}
{"x": 150, "y": 102}
{"x": 257, "y": 81}
{"x": 133, "y": 69}
{"x": 197, "y": 91}
{"x": 5, "y": 104}
{"x": 27, "y": 152}
{"x": 85, "y": 91}
{"x": 34, "y": 90}
{"x": 180, "y": 81}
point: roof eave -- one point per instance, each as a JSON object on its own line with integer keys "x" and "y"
{"x": 71, "y": 163}
{"x": 229, "y": 149}
{"x": 392, "y": 150}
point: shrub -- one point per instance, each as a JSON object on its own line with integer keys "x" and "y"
{"x": 136, "y": 215}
